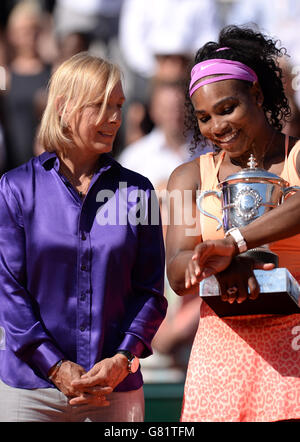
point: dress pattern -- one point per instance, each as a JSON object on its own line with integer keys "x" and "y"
{"x": 244, "y": 368}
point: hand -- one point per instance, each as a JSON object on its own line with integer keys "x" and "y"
{"x": 102, "y": 379}
{"x": 209, "y": 258}
{"x": 69, "y": 372}
{"x": 238, "y": 278}
{"x": 63, "y": 377}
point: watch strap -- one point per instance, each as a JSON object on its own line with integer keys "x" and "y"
{"x": 238, "y": 238}
{"x": 126, "y": 353}
{"x": 133, "y": 361}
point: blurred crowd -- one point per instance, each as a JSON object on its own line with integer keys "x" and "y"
{"x": 154, "y": 42}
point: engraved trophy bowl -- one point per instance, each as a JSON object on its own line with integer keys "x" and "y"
{"x": 245, "y": 196}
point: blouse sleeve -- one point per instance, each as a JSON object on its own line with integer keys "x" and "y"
{"x": 147, "y": 304}
{"x": 25, "y": 335}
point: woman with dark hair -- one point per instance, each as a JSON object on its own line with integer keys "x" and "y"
{"x": 241, "y": 368}
{"x": 260, "y": 54}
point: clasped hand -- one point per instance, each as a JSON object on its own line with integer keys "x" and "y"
{"x": 235, "y": 274}
{"x": 92, "y": 387}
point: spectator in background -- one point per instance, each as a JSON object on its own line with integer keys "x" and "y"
{"x": 27, "y": 77}
{"x": 98, "y": 19}
{"x": 280, "y": 19}
{"x": 158, "y": 153}
{"x": 71, "y": 44}
{"x": 156, "y": 40}
{"x": 162, "y": 27}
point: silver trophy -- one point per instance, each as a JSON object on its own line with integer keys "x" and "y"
{"x": 246, "y": 196}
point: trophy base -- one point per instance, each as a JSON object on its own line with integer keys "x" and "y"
{"x": 279, "y": 294}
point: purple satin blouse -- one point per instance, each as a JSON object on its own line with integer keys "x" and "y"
{"x": 79, "y": 279}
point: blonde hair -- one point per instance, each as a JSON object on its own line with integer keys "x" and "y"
{"x": 80, "y": 81}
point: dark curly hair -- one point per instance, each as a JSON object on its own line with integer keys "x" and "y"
{"x": 260, "y": 53}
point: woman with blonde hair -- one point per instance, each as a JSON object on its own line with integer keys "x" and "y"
{"x": 81, "y": 299}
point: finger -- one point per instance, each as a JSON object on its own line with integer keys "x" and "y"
{"x": 197, "y": 253}
{"x": 97, "y": 390}
{"x": 242, "y": 293}
{"x": 202, "y": 273}
{"x": 86, "y": 382}
{"x": 228, "y": 287}
{"x": 254, "y": 289}
{"x": 263, "y": 266}
{"x": 202, "y": 252}
{"x": 232, "y": 294}
{"x": 241, "y": 284}
{"x": 192, "y": 269}
{"x": 206, "y": 272}
{"x": 90, "y": 381}
{"x": 224, "y": 296}
{"x": 188, "y": 282}
{"x": 93, "y": 372}
{"x": 223, "y": 290}
{"x": 197, "y": 268}
{"x": 100, "y": 401}
{"x": 190, "y": 276}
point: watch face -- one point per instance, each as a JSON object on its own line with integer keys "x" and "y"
{"x": 134, "y": 365}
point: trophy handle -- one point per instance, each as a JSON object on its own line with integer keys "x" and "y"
{"x": 199, "y": 204}
{"x": 287, "y": 190}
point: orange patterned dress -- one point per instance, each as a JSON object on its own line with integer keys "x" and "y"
{"x": 245, "y": 368}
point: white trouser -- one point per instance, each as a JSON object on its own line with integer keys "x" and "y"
{"x": 50, "y": 405}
